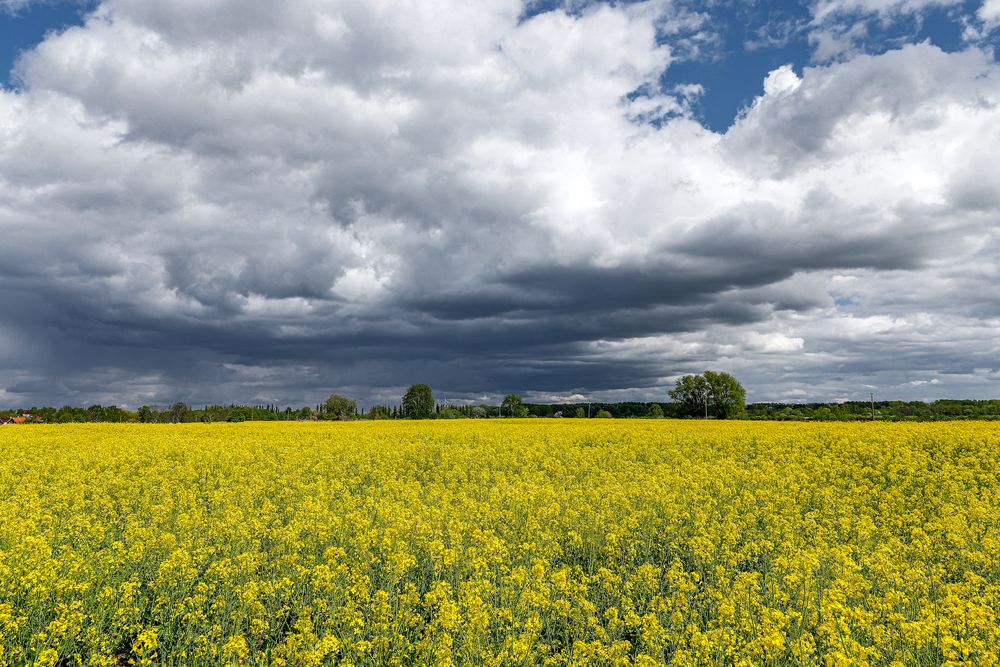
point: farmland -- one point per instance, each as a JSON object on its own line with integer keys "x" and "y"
{"x": 514, "y": 542}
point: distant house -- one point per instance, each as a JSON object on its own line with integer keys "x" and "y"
{"x": 25, "y": 418}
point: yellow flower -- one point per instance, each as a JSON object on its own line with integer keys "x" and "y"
{"x": 556, "y": 543}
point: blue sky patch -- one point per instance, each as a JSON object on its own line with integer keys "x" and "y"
{"x": 28, "y": 26}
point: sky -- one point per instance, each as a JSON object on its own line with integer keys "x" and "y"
{"x": 243, "y": 201}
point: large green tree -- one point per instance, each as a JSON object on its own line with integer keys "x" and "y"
{"x": 713, "y": 394}
{"x": 726, "y": 396}
{"x": 418, "y": 402}
{"x": 691, "y": 392}
{"x": 339, "y": 407}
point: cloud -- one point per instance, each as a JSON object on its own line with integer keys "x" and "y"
{"x": 13, "y": 6}
{"x": 205, "y": 201}
{"x": 823, "y": 9}
{"x": 838, "y": 40}
{"x": 782, "y": 80}
{"x": 921, "y": 383}
{"x": 989, "y": 12}
{"x": 776, "y": 33}
{"x": 843, "y": 28}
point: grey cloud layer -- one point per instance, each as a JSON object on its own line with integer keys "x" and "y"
{"x": 241, "y": 201}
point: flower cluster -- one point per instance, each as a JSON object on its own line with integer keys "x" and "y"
{"x": 521, "y": 542}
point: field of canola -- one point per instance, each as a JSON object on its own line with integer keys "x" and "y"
{"x": 522, "y": 542}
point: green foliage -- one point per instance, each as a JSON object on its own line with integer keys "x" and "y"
{"x": 339, "y": 407}
{"x": 726, "y": 396}
{"x": 179, "y": 413}
{"x": 603, "y": 414}
{"x": 715, "y": 394}
{"x": 655, "y": 411}
{"x": 418, "y": 402}
{"x": 379, "y": 412}
{"x": 513, "y": 406}
{"x": 941, "y": 410}
{"x": 823, "y": 414}
{"x": 691, "y": 391}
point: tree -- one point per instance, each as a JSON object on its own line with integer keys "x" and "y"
{"x": 579, "y": 413}
{"x": 656, "y": 412}
{"x": 726, "y": 396}
{"x": 823, "y": 413}
{"x": 418, "y": 402}
{"x": 602, "y": 414}
{"x": 691, "y": 391}
{"x": 339, "y": 407}
{"x": 718, "y": 395}
{"x": 379, "y": 412}
{"x": 513, "y": 406}
{"x": 179, "y": 412}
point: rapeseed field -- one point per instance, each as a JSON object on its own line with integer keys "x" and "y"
{"x": 514, "y": 542}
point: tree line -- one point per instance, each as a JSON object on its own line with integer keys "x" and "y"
{"x": 711, "y": 395}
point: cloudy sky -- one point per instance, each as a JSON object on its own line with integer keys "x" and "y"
{"x": 234, "y": 200}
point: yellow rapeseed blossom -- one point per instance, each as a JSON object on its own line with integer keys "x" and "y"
{"x": 562, "y": 543}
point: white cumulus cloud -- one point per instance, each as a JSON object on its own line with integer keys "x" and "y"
{"x": 989, "y": 11}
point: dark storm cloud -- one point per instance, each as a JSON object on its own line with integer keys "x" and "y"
{"x": 219, "y": 204}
